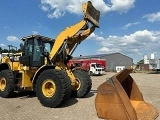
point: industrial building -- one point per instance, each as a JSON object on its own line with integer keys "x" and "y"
{"x": 150, "y": 64}
{"x": 113, "y": 61}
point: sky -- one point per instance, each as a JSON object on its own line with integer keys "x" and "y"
{"x": 130, "y": 27}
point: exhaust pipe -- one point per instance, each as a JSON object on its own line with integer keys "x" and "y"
{"x": 119, "y": 98}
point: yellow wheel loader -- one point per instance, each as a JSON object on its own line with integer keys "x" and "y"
{"x": 42, "y": 67}
{"x": 42, "y": 64}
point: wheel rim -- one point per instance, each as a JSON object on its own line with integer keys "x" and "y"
{"x": 78, "y": 85}
{"x": 2, "y": 83}
{"x": 48, "y": 88}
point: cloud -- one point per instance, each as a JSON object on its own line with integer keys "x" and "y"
{"x": 13, "y": 38}
{"x": 121, "y": 5}
{"x": 2, "y": 45}
{"x": 130, "y": 24}
{"x": 152, "y": 17}
{"x": 137, "y": 43}
{"x": 34, "y": 32}
{"x": 58, "y": 8}
{"x": 5, "y": 27}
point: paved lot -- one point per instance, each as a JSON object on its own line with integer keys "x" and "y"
{"x": 27, "y": 107}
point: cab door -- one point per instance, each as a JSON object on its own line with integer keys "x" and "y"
{"x": 37, "y": 58}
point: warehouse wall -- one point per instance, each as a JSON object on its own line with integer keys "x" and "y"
{"x": 117, "y": 59}
{"x": 112, "y": 60}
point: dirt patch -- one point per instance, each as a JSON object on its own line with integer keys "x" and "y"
{"x": 24, "y": 107}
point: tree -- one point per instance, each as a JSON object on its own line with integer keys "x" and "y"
{"x": 19, "y": 50}
{"x": 12, "y": 51}
{"x": 140, "y": 62}
{"x": 4, "y": 51}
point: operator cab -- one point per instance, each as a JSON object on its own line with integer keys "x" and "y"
{"x": 35, "y": 49}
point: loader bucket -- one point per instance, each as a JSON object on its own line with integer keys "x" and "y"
{"x": 119, "y": 98}
{"x": 91, "y": 13}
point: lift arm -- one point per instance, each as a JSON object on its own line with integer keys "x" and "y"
{"x": 73, "y": 35}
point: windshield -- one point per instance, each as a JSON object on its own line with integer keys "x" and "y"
{"x": 37, "y": 50}
{"x": 99, "y": 65}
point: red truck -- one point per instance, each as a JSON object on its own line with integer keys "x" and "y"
{"x": 93, "y": 66}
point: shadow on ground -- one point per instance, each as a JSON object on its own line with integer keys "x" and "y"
{"x": 24, "y": 94}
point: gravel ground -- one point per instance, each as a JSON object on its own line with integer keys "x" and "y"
{"x": 27, "y": 107}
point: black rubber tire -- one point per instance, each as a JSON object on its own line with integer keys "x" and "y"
{"x": 88, "y": 79}
{"x": 85, "y": 81}
{"x": 68, "y": 89}
{"x": 63, "y": 88}
{"x": 10, "y": 84}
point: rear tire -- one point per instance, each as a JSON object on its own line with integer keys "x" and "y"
{"x": 85, "y": 83}
{"x": 53, "y": 88}
{"x": 7, "y": 84}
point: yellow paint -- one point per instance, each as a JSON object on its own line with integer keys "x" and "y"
{"x": 77, "y": 86}
{"x": 62, "y": 66}
{"x": 26, "y": 78}
{"x": 2, "y": 83}
{"x": 48, "y": 88}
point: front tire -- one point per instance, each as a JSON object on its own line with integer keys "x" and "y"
{"x": 88, "y": 80}
{"x": 85, "y": 84}
{"x": 6, "y": 84}
{"x": 53, "y": 88}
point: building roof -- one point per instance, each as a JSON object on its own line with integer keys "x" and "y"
{"x": 99, "y": 56}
